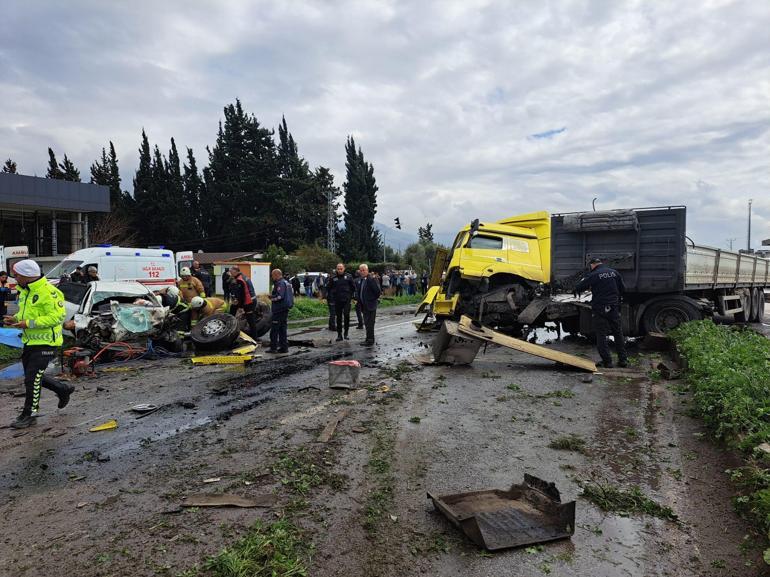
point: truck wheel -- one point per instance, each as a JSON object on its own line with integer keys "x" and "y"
{"x": 744, "y": 316}
{"x": 216, "y": 332}
{"x": 760, "y": 305}
{"x": 757, "y": 303}
{"x": 264, "y": 318}
{"x": 664, "y": 315}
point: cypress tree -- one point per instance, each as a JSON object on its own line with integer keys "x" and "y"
{"x": 143, "y": 192}
{"x": 9, "y": 167}
{"x": 53, "y": 167}
{"x": 68, "y": 170}
{"x": 359, "y": 240}
{"x": 193, "y": 191}
{"x": 174, "y": 198}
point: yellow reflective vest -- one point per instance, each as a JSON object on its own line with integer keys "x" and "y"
{"x": 42, "y": 305}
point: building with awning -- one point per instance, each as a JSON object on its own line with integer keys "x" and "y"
{"x": 49, "y": 216}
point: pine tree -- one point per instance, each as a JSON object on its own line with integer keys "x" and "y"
{"x": 193, "y": 191}
{"x": 425, "y": 233}
{"x": 53, "y": 167}
{"x": 9, "y": 167}
{"x": 359, "y": 240}
{"x": 177, "y": 219}
{"x": 143, "y": 205}
{"x": 68, "y": 170}
{"x": 244, "y": 208}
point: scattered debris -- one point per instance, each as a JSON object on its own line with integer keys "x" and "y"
{"x": 668, "y": 370}
{"x": 225, "y": 500}
{"x": 212, "y": 480}
{"x": 625, "y": 501}
{"x": 303, "y": 389}
{"x": 473, "y": 329}
{"x": 221, "y": 360}
{"x": 656, "y": 342}
{"x": 144, "y": 408}
{"x": 107, "y": 426}
{"x": 450, "y": 346}
{"x": 358, "y": 430}
{"x": 331, "y": 426}
{"x": 524, "y": 514}
{"x": 570, "y": 442}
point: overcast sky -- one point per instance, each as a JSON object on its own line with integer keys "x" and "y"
{"x": 466, "y": 109}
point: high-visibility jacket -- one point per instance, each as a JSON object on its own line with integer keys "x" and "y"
{"x": 213, "y": 305}
{"x": 190, "y": 288}
{"x": 42, "y": 305}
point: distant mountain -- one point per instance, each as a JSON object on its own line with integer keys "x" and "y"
{"x": 393, "y": 237}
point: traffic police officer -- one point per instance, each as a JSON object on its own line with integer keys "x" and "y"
{"x": 40, "y": 317}
{"x": 606, "y": 286}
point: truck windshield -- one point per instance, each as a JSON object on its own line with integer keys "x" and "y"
{"x": 64, "y": 267}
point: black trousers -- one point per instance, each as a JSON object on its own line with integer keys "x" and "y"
{"x": 607, "y": 322}
{"x": 342, "y": 316}
{"x": 369, "y": 324}
{"x": 250, "y": 314}
{"x": 35, "y": 359}
{"x": 332, "y": 316}
{"x": 279, "y": 326}
{"x": 359, "y": 315}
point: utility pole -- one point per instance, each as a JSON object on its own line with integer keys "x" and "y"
{"x": 331, "y": 222}
{"x": 730, "y": 242}
{"x": 748, "y": 239}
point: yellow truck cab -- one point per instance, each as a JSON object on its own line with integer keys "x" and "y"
{"x": 494, "y": 268}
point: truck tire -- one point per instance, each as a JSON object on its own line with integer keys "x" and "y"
{"x": 757, "y": 304}
{"x": 264, "y": 318}
{"x": 761, "y": 307}
{"x": 215, "y": 333}
{"x": 668, "y": 313}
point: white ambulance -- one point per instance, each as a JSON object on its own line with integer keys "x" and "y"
{"x": 10, "y": 255}
{"x": 153, "y": 267}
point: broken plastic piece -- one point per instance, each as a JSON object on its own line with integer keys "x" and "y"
{"x": 108, "y": 426}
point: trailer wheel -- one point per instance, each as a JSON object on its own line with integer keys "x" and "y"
{"x": 744, "y": 316}
{"x": 761, "y": 305}
{"x": 664, "y": 315}
{"x": 757, "y": 304}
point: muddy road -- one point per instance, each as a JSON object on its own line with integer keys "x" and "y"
{"x": 76, "y": 503}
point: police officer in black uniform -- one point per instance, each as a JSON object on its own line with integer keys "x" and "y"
{"x": 342, "y": 288}
{"x": 606, "y": 286}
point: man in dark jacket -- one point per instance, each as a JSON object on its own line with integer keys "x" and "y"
{"x": 359, "y": 314}
{"x": 242, "y": 296}
{"x": 5, "y": 294}
{"x": 368, "y": 295}
{"x": 295, "y": 285}
{"x": 282, "y": 300}
{"x": 77, "y": 275}
{"x": 203, "y": 276}
{"x": 607, "y": 288}
{"x": 342, "y": 289}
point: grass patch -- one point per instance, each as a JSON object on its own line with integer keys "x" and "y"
{"x": 625, "y": 501}
{"x": 398, "y": 371}
{"x": 729, "y": 376}
{"x": 267, "y": 550}
{"x": 414, "y": 419}
{"x": 560, "y": 394}
{"x": 569, "y": 443}
{"x": 513, "y": 387}
{"x": 9, "y": 354}
{"x": 379, "y": 468}
{"x": 300, "y": 471}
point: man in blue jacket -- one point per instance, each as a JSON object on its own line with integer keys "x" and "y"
{"x": 368, "y": 296}
{"x": 282, "y": 299}
{"x": 606, "y": 286}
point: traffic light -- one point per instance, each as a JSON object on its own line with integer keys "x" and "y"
{"x": 398, "y": 223}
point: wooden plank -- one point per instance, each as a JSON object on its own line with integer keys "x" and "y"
{"x": 331, "y": 426}
{"x": 488, "y": 335}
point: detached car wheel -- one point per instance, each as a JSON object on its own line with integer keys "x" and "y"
{"x": 216, "y": 332}
{"x": 264, "y": 318}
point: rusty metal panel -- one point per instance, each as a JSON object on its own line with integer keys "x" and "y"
{"x": 525, "y": 514}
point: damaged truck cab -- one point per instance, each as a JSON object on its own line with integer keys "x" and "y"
{"x": 521, "y": 271}
{"x": 495, "y": 270}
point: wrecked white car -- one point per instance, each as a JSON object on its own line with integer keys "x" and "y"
{"x": 102, "y": 312}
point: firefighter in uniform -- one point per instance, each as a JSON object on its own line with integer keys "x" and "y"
{"x": 40, "y": 317}
{"x": 607, "y": 288}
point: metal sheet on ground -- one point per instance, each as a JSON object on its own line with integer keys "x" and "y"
{"x": 466, "y": 327}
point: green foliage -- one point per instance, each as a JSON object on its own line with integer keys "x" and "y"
{"x": 420, "y": 255}
{"x": 9, "y": 167}
{"x": 570, "y": 442}
{"x": 64, "y": 170}
{"x": 9, "y": 354}
{"x": 308, "y": 308}
{"x": 625, "y": 501}
{"x": 316, "y": 258}
{"x": 267, "y": 550}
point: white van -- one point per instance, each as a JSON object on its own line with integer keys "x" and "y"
{"x": 155, "y": 268}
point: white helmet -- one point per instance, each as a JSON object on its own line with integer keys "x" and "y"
{"x": 185, "y": 271}
{"x": 173, "y": 291}
{"x": 197, "y": 303}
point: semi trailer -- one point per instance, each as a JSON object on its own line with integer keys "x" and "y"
{"x": 520, "y": 272}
